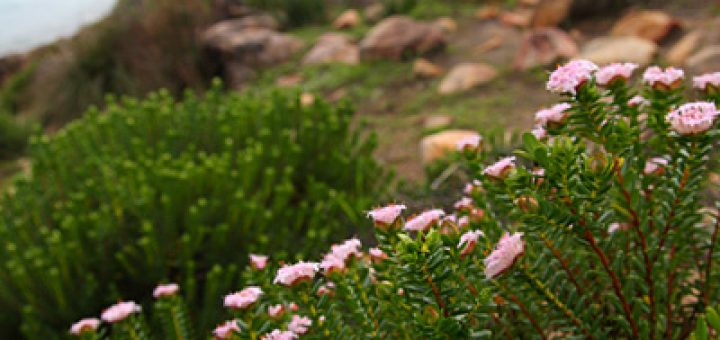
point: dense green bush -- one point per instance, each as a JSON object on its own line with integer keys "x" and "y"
{"x": 157, "y": 190}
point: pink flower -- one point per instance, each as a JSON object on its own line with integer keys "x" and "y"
{"x": 226, "y": 330}
{"x": 464, "y": 203}
{"x": 638, "y": 100}
{"x": 244, "y": 298}
{"x": 655, "y": 166}
{"x": 425, "y": 220}
{"x": 279, "y": 335}
{"x": 290, "y": 275}
{"x": 607, "y": 74}
{"x": 258, "y": 262}
{"x": 469, "y": 240}
{"x": 463, "y": 221}
{"x": 471, "y": 187}
{"x": 569, "y": 77}
{"x": 555, "y": 114}
{"x": 276, "y": 311}
{"x": 85, "y": 325}
{"x": 294, "y": 307}
{"x": 377, "y": 254}
{"x": 663, "y": 79}
{"x": 326, "y": 289}
{"x": 165, "y": 290}
{"x": 502, "y": 258}
{"x": 469, "y": 143}
{"x": 299, "y": 325}
{"x": 693, "y": 118}
{"x": 120, "y": 311}
{"x": 386, "y": 216}
{"x": 339, "y": 254}
{"x": 702, "y": 82}
{"x": 501, "y": 168}
{"x": 539, "y": 132}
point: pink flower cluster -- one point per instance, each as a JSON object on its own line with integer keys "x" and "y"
{"x": 501, "y": 168}
{"x": 290, "y": 275}
{"x": 226, "y": 330}
{"x": 120, "y": 311}
{"x": 85, "y": 325}
{"x": 336, "y": 259}
{"x": 502, "y": 258}
{"x": 470, "y": 188}
{"x": 244, "y": 298}
{"x": 638, "y": 100}
{"x": 469, "y": 240}
{"x": 377, "y": 255}
{"x": 299, "y": 325}
{"x": 655, "y": 166}
{"x": 539, "y": 132}
{"x": 387, "y": 215}
{"x": 469, "y": 143}
{"x": 258, "y": 262}
{"x": 165, "y": 290}
{"x": 279, "y": 335}
{"x": 276, "y": 311}
{"x": 607, "y": 74}
{"x": 693, "y": 118}
{"x": 425, "y": 220}
{"x": 664, "y": 79}
{"x": 567, "y": 79}
{"x": 555, "y": 114}
{"x": 703, "y": 82}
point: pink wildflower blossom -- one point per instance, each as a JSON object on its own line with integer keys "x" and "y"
{"x": 337, "y": 258}
{"x": 85, "y": 325}
{"x": 279, "y": 335}
{"x": 386, "y": 216}
{"x": 693, "y": 118}
{"x": 607, "y": 74}
{"x": 294, "y": 307}
{"x": 569, "y": 77}
{"x": 469, "y": 240}
{"x": 226, "y": 330}
{"x": 425, "y": 220}
{"x": 539, "y": 132}
{"x": 655, "y": 166}
{"x": 258, "y": 262}
{"x": 472, "y": 186}
{"x": 703, "y": 82}
{"x": 663, "y": 79}
{"x": 377, "y": 254}
{"x": 463, "y": 221}
{"x": 165, "y": 290}
{"x": 464, "y": 203}
{"x": 290, "y": 275}
{"x": 469, "y": 143}
{"x": 244, "y": 298}
{"x": 638, "y": 100}
{"x": 555, "y": 114}
{"x": 502, "y": 258}
{"x": 276, "y": 311}
{"x": 501, "y": 168}
{"x": 299, "y": 325}
{"x": 120, "y": 311}
{"x": 326, "y": 289}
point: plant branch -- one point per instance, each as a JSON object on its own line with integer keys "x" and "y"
{"x": 709, "y": 261}
{"x": 668, "y": 221}
{"x": 523, "y": 309}
{"x": 670, "y": 283}
{"x": 562, "y": 261}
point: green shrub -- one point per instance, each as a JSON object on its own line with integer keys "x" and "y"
{"x": 156, "y": 190}
{"x": 294, "y": 13}
{"x": 13, "y": 136}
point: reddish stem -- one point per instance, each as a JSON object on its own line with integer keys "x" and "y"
{"x": 709, "y": 260}
{"x": 668, "y": 224}
{"x": 562, "y": 261}
{"x": 527, "y": 314}
{"x": 670, "y": 283}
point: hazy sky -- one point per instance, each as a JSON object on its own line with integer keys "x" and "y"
{"x": 31, "y": 23}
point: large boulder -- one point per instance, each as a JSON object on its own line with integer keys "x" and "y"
{"x": 705, "y": 60}
{"x": 251, "y": 46}
{"x": 399, "y": 37}
{"x": 333, "y": 48}
{"x": 543, "y": 46}
{"x": 550, "y": 13}
{"x": 347, "y": 19}
{"x": 647, "y": 24}
{"x": 423, "y": 68}
{"x": 438, "y": 145}
{"x": 684, "y": 48}
{"x": 226, "y": 27}
{"x": 466, "y": 76}
{"x": 606, "y": 50}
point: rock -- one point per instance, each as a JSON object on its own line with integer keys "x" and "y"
{"x": 347, "y": 19}
{"x": 333, "y": 48}
{"x": 425, "y": 69}
{"x": 399, "y": 36}
{"x": 250, "y": 46}
{"x": 438, "y": 145}
{"x": 487, "y": 12}
{"x": 225, "y": 27}
{"x": 519, "y": 17}
{"x": 490, "y": 44}
{"x": 289, "y": 80}
{"x": 374, "y": 12}
{"x": 680, "y": 52}
{"x": 466, "y": 76}
{"x": 606, "y": 50}
{"x": 550, "y": 13}
{"x": 647, "y": 24}
{"x": 435, "y": 122}
{"x": 446, "y": 24}
{"x": 543, "y": 46}
{"x": 705, "y": 60}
